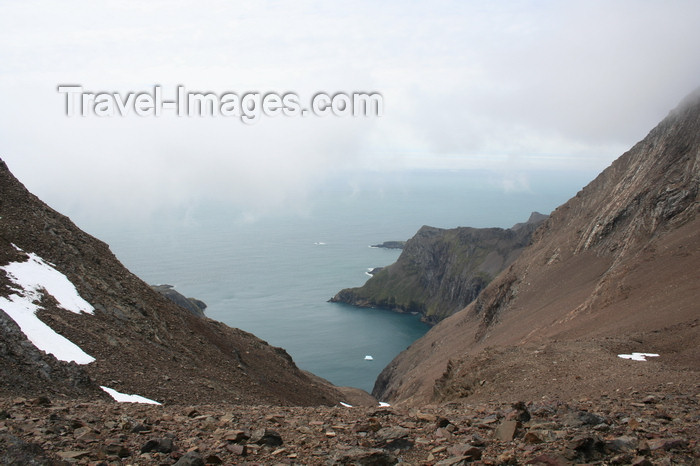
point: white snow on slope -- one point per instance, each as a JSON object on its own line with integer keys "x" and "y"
{"x": 34, "y": 277}
{"x": 124, "y": 398}
{"x": 638, "y": 356}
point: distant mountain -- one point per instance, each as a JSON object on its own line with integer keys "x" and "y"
{"x": 142, "y": 343}
{"x": 440, "y": 271}
{"x": 616, "y": 269}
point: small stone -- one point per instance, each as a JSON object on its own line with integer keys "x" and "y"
{"x": 585, "y": 447}
{"x": 358, "y": 455}
{"x": 140, "y": 428}
{"x": 467, "y": 451}
{"x": 452, "y": 461}
{"x": 236, "y": 436}
{"x": 116, "y": 449}
{"x": 505, "y": 431}
{"x": 507, "y": 458}
{"x": 239, "y": 450}
{"x": 41, "y": 401}
{"x": 426, "y": 417}
{"x": 73, "y": 454}
{"x": 442, "y": 422}
{"x": 213, "y": 459}
{"x": 622, "y": 444}
{"x": 521, "y": 413}
{"x": 267, "y": 437}
{"x": 162, "y": 445}
{"x": 443, "y": 433}
{"x": 591, "y": 419}
{"x": 532, "y": 438}
{"x": 666, "y": 443}
{"x": 191, "y": 458}
{"x": 392, "y": 433}
{"x": 548, "y": 460}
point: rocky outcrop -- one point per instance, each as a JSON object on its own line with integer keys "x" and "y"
{"x": 440, "y": 271}
{"x": 390, "y": 245}
{"x": 620, "y": 260}
{"x": 143, "y": 343}
{"x": 32, "y": 372}
{"x": 195, "y": 306}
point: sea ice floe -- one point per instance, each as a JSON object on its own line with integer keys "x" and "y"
{"x": 638, "y": 356}
{"x": 35, "y": 277}
{"x": 124, "y": 398}
{"x": 369, "y": 358}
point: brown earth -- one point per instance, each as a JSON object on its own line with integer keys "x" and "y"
{"x": 615, "y": 269}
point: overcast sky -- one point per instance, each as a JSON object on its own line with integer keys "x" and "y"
{"x": 508, "y": 86}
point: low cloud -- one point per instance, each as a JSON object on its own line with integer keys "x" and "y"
{"x": 510, "y": 88}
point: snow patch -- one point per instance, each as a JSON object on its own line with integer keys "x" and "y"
{"x": 345, "y": 404}
{"x": 383, "y": 404}
{"x": 638, "y": 356}
{"x": 34, "y": 277}
{"x": 124, "y": 398}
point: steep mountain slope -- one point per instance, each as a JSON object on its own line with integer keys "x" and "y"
{"x": 142, "y": 342}
{"x": 440, "y": 271}
{"x": 615, "y": 269}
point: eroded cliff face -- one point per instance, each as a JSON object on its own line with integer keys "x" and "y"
{"x": 617, "y": 266}
{"x": 440, "y": 271}
{"x": 143, "y": 343}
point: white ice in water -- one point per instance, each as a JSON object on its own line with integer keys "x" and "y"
{"x": 369, "y": 358}
{"x": 36, "y": 276}
{"x": 124, "y": 398}
{"x": 638, "y": 356}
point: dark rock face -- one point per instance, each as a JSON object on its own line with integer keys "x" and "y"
{"x": 33, "y": 372}
{"x": 441, "y": 271}
{"x": 195, "y": 306}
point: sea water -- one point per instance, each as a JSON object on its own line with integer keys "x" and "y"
{"x": 273, "y": 274}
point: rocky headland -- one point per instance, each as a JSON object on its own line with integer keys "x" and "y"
{"x": 440, "y": 271}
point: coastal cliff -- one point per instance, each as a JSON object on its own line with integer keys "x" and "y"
{"x": 440, "y": 271}
{"x": 613, "y": 270}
